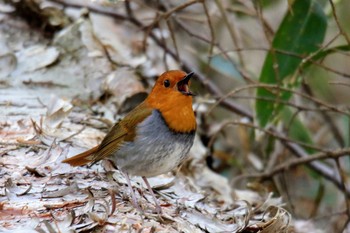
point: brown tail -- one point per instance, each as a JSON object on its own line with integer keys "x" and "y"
{"x": 82, "y": 158}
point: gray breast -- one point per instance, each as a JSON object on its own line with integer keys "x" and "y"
{"x": 156, "y": 149}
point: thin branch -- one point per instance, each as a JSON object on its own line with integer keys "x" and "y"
{"x": 167, "y": 14}
{"x": 287, "y": 103}
{"x": 338, "y": 23}
{"x": 271, "y": 88}
{"x": 328, "y": 120}
{"x": 270, "y": 132}
{"x": 173, "y": 37}
{"x": 231, "y": 30}
{"x": 329, "y": 154}
{"x": 163, "y": 15}
{"x": 212, "y": 32}
{"x": 23, "y": 144}
{"x": 307, "y": 160}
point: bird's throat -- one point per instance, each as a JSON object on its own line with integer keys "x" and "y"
{"x": 180, "y": 119}
{"x": 176, "y": 109}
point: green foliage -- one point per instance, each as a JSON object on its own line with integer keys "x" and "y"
{"x": 299, "y": 36}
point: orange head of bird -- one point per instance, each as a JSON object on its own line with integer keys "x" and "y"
{"x": 171, "y": 95}
{"x": 173, "y": 82}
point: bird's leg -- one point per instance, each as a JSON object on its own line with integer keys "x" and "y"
{"x": 132, "y": 193}
{"x": 158, "y": 208}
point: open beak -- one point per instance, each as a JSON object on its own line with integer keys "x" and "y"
{"x": 182, "y": 86}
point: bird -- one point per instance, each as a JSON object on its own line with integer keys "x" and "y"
{"x": 152, "y": 139}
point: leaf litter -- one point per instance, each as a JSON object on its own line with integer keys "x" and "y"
{"x": 46, "y": 118}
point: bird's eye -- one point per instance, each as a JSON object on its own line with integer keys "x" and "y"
{"x": 166, "y": 83}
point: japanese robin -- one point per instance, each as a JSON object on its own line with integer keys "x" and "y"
{"x": 153, "y": 138}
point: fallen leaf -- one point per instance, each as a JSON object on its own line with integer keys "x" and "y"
{"x": 35, "y": 57}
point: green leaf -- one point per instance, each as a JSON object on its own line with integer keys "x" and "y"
{"x": 300, "y": 34}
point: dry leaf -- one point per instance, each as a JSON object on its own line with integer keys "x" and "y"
{"x": 35, "y": 57}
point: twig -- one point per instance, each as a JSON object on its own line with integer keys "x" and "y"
{"x": 159, "y": 16}
{"x": 329, "y": 154}
{"x": 307, "y": 160}
{"x": 267, "y": 131}
{"x": 167, "y": 14}
{"x": 272, "y": 87}
{"x": 212, "y": 32}
{"x": 287, "y": 103}
{"x": 338, "y": 24}
{"x": 231, "y": 30}
{"x": 339, "y": 83}
{"x": 23, "y": 144}
{"x": 327, "y": 119}
{"x": 253, "y": 13}
{"x": 173, "y": 38}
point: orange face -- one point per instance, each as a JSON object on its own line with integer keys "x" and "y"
{"x": 173, "y": 82}
{"x": 172, "y": 97}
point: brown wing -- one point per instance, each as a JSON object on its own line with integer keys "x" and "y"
{"x": 122, "y": 131}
